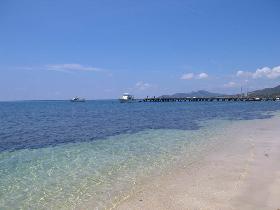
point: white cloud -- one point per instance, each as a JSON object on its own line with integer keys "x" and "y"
{"x": 68, "y": 67}
{"x": 190, "y": 76}
{"x": 270, "y": 73}
{"x": 71, "y": 67}
{"x": 265, "y": 72}
{"x": 187, "y": 76}
{"x": 202, "y": 76}
{"x": 142, "y": 85}
{"x": 243, "y": 74}
{"x": 230, "y": 85}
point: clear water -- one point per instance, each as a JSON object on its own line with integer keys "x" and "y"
{"x": 61, "y": 155}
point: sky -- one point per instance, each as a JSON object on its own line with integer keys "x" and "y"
{"x": 99, "y": 49}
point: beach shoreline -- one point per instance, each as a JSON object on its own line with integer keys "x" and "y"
{"x": 244, "y": 173}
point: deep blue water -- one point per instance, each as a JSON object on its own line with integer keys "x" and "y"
{"x": 37, "y": 124}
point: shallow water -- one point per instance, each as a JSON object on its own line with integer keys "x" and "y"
{"x": 68, "y": 155}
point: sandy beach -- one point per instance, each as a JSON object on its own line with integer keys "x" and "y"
{"x": 244, "y": 173}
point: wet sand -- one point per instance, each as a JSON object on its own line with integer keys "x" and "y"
{"x": 243, "y": 173}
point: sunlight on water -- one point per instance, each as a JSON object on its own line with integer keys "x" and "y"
{"x": 93, "y": 173}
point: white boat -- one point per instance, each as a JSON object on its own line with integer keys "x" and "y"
{"x": 126, "y": 98}
{"x": 77, "y": 99}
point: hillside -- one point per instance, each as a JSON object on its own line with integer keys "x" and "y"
{"x": 200, "y": 93}
{"x": 267, "y": 92}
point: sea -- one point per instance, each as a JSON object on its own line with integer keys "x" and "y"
{"x": 91, "y": 155}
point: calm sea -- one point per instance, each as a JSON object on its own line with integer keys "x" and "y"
{"x": 61, "y": 155}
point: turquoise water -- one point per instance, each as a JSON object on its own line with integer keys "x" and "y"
{"x": 98, "y": 172}
{"x": 50, "y": 161}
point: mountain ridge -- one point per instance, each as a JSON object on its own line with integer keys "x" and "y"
{"x": 266, "y": 92}
{"x": 199, "y": 93}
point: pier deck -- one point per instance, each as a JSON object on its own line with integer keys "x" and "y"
{"x": 209, "y": 99}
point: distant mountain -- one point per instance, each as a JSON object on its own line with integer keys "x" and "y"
{"x": 267, "y": 92}
{"x": 200, "y": 93}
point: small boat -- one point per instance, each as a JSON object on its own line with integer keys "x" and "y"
{"x": 77, "y": 99}
{"x": 126, "y": 98}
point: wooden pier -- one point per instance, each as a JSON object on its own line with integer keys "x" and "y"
{"x": 210, "y": 99}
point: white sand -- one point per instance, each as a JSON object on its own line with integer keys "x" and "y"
{"x": 242, "y": 174}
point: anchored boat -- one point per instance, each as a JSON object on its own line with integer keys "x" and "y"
{"x": 77, "y": 99}
{"x": 126, "y": 98}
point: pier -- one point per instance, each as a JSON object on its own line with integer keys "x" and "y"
{"x": 209, "y": 99}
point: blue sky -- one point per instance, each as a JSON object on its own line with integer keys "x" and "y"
{"x": 101, "y": 48}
